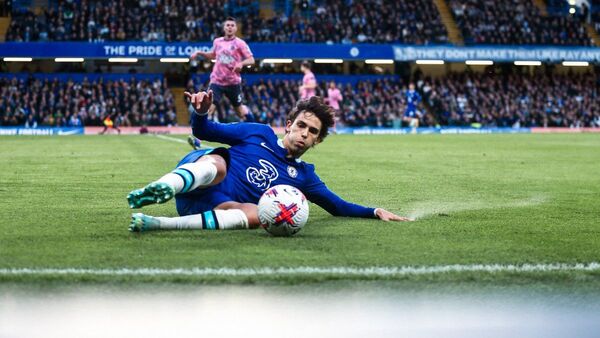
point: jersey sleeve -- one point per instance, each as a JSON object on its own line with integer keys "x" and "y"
{"x": 245, "y": 50}
{"x": 228, "y": 133}
{"x": 317, "y": 192}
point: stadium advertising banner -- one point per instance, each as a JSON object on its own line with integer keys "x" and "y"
{"x": 303, "y": 51}
{"x": 501, "y": 53}
{"x": 461, "y": 130}
{"x": 166, "y": 50}
{"x": 432, "y": 130}
{"x": 41, "y": 131}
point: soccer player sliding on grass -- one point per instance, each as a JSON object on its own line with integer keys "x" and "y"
{"x": 220, "y": 188}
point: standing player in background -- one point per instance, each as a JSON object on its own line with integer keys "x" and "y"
{"x": 109, "y": 123}
{"x": 309, "y": 82}
{"x": 231, "y": 55}
{"x": 334, "y": 97}
{"x": 412, "y": 114}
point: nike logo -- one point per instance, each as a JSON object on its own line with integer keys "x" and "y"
{"x": 266, "y": 146}
{"x": 69, "y": 132}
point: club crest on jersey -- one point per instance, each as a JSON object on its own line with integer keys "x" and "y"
{"x": 262, "y": 177}
{"x": 293, "y": 172}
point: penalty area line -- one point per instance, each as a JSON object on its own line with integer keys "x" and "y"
{"x": 304, "y": 271}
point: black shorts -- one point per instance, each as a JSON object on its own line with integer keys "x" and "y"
{"x": 233, "y": 93}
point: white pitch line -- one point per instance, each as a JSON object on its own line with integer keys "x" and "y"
{"x": 168, "y": 138}
{"x": 302, "y": 271}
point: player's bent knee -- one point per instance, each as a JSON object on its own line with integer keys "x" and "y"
{"x": 219, "y": 162}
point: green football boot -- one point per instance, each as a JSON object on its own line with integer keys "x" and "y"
{"x": 194, "y": 142}
{"x": 156, "y": 192}
{"x": 141, "y": 223}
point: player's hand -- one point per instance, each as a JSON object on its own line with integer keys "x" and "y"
{"x": 201, "y": 101}
{"x": 196, "y": 54}
{"x": 237, "y": 68}
{"x": 386, "y": 216}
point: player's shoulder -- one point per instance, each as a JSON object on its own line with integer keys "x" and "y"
{"x": 237, "y": 39}
{"x": 263, "y": 130}
{"x": 219, "y": 39}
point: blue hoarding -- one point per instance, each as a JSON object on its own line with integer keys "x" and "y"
{"x": 303, "y": 51}
{"x": 41, "y": 131}
{"x": 496, "y": 53}
{"x": 166, "y": 50}
{"x": 431, "y": 130}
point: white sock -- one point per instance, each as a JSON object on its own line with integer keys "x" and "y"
{"x": 209, "y": 220}
{"x": 190, "y": 176}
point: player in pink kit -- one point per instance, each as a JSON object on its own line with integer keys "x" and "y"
{"x": 231, "y": 54}
{"x": 334, "y": 97}
{"x": 309, "y": 82}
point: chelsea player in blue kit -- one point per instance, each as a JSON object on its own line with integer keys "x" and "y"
{"x": 411, "y": 114}
{"x": 220, "y": 188}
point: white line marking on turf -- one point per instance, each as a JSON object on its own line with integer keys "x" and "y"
{"x": 168, "y": 138}
{"x": 337, "y": 271}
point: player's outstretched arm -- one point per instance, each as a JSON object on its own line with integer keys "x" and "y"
{"x": 387, "y": 216}
{"x": 201, "y": 101}
{"x": 205, "y": 129}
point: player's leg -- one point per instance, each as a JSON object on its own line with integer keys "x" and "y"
{"x": 218, "y": 92}
{"x": 226, "y": 216}
{"x": 203, "y": 171}
{"x": 235, "y": 96}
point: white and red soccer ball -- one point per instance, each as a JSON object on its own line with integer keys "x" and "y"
{"x": 283, "y": 210}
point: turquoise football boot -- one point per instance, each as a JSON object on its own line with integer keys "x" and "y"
{"x": 156, "y": 192}
{"x": 142, "y": 223}
{"x": 194, "y": 142}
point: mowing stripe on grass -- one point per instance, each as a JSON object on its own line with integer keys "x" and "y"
{"x": 306, "y": 270}
{"x": 168, "y": 138}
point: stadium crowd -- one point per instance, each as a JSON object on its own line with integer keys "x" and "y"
{"x": 516, "y": 22}
{"x": 366, "y": 21}
{"x": 332, "y": 21}
{"x": 514, "y": 100}
{"x": 368, "y": 103}
{"x": 34, "y": 102}
{"x": 487, "y": 99}
{"x": 458, "y": 99}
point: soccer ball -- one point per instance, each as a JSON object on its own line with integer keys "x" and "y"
{"x": 282, "y": 210}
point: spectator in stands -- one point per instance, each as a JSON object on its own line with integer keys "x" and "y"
{"x": 516, "y": 22}
{"x": 361, "y": 21}
{"x": 69, "y": 103}
{"x": 515, "y": 100}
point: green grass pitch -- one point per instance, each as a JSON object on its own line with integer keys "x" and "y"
{"x": 478, "y": 199}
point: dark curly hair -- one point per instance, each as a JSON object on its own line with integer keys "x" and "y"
{"x": 315, "y": 105}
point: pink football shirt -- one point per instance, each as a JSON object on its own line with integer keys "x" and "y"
{"x": 228, "y": 53}
{"x": 306, "y": 93}
{"x": 334, "y": 97}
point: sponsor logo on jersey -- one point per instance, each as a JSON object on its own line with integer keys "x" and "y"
{"x": 262, "y": 177}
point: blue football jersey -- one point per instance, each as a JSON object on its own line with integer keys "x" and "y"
{"x": 412, "y": 99}
{"x": 258, "y": 161}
